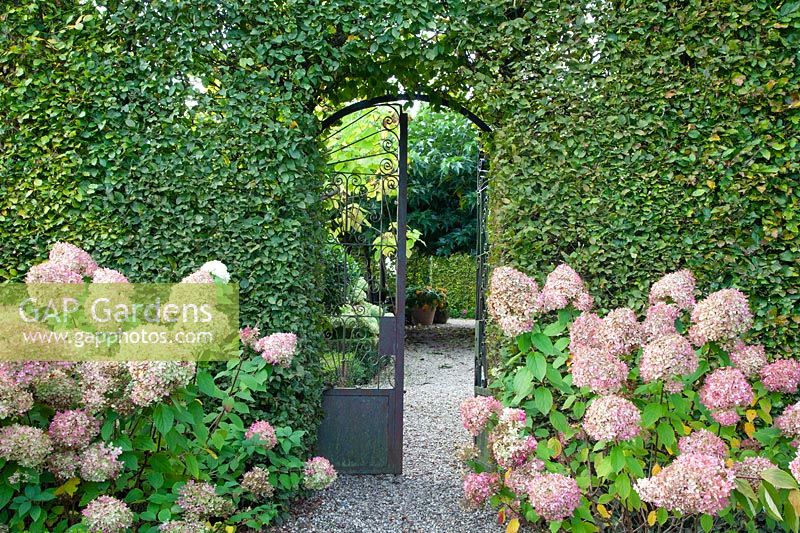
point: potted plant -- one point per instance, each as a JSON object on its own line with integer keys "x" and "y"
{"x": 442, "y": 314}
{"x": 422, "y": 301}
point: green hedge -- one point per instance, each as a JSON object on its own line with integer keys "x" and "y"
{"x": 455, "y": 273}
{"x": 158, "y": 139}
{"x": 642, "y": 138}
{"x": 649, "y": 137}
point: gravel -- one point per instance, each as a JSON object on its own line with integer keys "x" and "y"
{"x": 428, "y": 496}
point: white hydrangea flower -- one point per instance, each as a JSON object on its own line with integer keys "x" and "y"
{"x": 218, "y": 269}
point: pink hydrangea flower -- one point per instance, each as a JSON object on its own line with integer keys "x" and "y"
{"x": 675, "y": 288}
{"x": 52, "y": 272}
{"x": 104, "y": 383}
{"x": 183, "y": 526}
{"x": 751, "y": 468}
{"x": 99, "y": 462}
{"x": 705, "y": 442}
{"x": 59, "y": 390}
{"x": 612, "y": 418}
{"x": 749, "y": 359}
{"x": 668, "y": 358}
{"x": 14, "y": 399}
{"x": 616, "y": 334}
{"x": 249, "y": 336}
{"x": 105, "y": 514}
{"x": 789, "y": 421}
{"x": 264, "y": 431}
{"x": 660, "y": 321}
{"x": 601, "y": 372}
{"x": 725, "y": 417}
{"x": 694, "y": 483}
{"x": 200, "y": 276}
{"x": 479, "y": 487}
{"x": 256, "y": 482}
{"x": 63, "y": 464}
{"x": 621, "y": 332}
{"x": 509, "y": 447}
{"x": 562, "y": 287}
{"x": 151, "y": 381}
{"x": 475, "y": 412}
{"x": 277, "y": 349}
{"x": 724, "y": 390}
{"x": 28, "y": 446}
{"x": 74, "y": 258}
{"x": 108, "y": 275}
{"x": 512, "y": 299}
{"x": 73, "y": 429}
{"x": 782, "y": 375}
{"x": 794, "y": 466}
{"x": 721, "y": 317}
{"x": 554, "y": 496}
{"x": 200, "y": 501}
{"x": 583, "y": 334}
{"x": 26, "y": 372}
{"x": 520, "y": 478}
{"x": 318, "y": 474}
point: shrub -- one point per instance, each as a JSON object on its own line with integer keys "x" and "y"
{"x": 119, "y": 444}
{"x": 443, "y": 155}
{"x": 424, "y": 297}
{"x": 612, "y": 422}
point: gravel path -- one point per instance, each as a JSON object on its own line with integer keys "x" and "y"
{"x": 427, "y": 497}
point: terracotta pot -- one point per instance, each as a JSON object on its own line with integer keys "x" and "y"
{"x": 423, "y": 316}
{"x": 441, "y": 316}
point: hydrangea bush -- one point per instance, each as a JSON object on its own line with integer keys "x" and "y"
{"x": 668, "y": 420}
{"x": 145, "y": 445}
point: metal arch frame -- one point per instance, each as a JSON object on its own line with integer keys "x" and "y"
{"x": 405, "y": 97}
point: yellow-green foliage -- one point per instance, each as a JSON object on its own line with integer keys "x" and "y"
{"x": 634, "y": 138}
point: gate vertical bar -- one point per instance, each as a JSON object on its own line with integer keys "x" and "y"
{"x": 400, "y": 292}
{"x": 481, "y": 276}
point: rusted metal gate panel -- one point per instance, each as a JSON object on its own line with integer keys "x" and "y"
{"x": 362, "y": 430}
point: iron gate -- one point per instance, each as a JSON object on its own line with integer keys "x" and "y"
{"x": 365, "y": 201}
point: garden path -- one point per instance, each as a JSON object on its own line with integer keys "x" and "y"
{"x": 428, "y": 496}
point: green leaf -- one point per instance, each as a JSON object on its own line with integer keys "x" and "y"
{"x": 743, "y": 486}
{"x": 543, "y": 343}
{"x": 559, "y": 422}
{"x": 769, "y": 502}
{"x": 163, "y": 418}
{"x": 779, "y": 479}
{"x": 603, "y": 466}
{"x": 554, "y": 329}
{"x": 707, "y": 521}
{"x": 666, "y": 435}
{"x": 543, "y": 400}
{"x": 206, "y": 385}
{"x": 623, "y": 485}
{"x": 617, "y": 456}
{"x": 538, "y": 365}
{"x": 156, "y": 479}
{"x": 523, "y": 384}
{"x": 651, "y": 413}
{"x": 191, "y": 465}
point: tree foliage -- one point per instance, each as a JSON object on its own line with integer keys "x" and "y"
{"x": 443, "y": 155}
